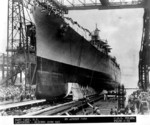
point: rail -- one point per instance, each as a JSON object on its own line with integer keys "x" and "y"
{"x": 66, "y": 107}
{"x": 43, "y": 107}
{"x": 22, "y": 108}
{"x": 21, "y": 104}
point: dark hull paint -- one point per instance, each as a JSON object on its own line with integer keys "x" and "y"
{"x": 70, "y": 58}
{"x": 52, "y": 78}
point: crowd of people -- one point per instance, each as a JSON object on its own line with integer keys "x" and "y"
{"x": 122, "y": 111}
{"x": 9, "y": 93}
{"x": 139, "y": 102}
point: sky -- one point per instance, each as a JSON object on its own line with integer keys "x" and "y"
{"x": 122, "y": 28}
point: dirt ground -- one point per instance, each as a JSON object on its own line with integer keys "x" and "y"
{"x": 104, "y": 106}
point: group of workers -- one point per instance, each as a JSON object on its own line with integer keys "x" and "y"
{"x": 122, "y": 111}
{"x": 95, "y": 111}
{"x": 112, "y": 95}
{"x": 139, "y": 102}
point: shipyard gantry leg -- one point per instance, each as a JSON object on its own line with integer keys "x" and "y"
{"x": 144, "y": 55}
{"x": 21, "y": 44}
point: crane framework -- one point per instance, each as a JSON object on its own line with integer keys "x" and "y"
{"x": 20, "y": 48}
{"x": 18, "y": 40}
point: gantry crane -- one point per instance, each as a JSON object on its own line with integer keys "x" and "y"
{"x": 22, "y": 48}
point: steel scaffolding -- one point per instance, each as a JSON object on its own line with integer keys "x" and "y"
{"x": 20, "y": 43}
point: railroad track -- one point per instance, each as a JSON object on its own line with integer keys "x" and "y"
{"x": 21, "y": 108}
{"x": 68, "y": 108}
{"x": 44, "y": 107}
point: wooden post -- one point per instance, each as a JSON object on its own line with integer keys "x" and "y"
{"x": 3, "y": 67}
{"x": 21, "y": 77}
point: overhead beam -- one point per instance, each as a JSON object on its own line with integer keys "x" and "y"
{"x": 101, "y": 7}
{"x": 104, "y": 2}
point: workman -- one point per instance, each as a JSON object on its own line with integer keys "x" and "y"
{"x": 96, "y": 111}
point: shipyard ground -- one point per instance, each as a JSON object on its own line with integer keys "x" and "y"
{"x": 104, "y": 106}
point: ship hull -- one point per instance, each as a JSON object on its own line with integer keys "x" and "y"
{"x": 69, "y": 59}
{"x": 53, "y": 78}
